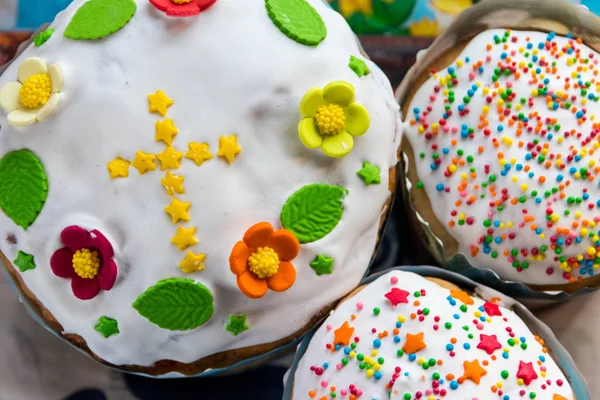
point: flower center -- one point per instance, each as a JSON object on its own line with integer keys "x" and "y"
{"x": 264, "y": 262}
{"x": 330, "y": 119}
{"x": 86, "y": 263}
{"x": 181, "y": 1}
{"x": 36, "y": 91}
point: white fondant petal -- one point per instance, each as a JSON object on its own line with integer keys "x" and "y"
{"x": 57, "y": 77}
{"x": 22, "y": 117}
{"x": 30, "y": 67}
{"x": 9, "y": 96}
{"x": 49, "y": 107}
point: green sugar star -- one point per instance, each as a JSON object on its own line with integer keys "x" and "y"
{"x": 107, "y": 326}
{"x": 43, "y": 37}
{"x": 359, "y": 66}
{"x": 369, "y": 173}
{"x": 322, "y": 265}
{"x": 237, "y": 324}
{"x": 24, "y": 261}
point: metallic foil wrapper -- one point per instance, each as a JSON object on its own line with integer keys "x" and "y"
{"x": 537, "y": 15}
{"x": 559, "y": 354}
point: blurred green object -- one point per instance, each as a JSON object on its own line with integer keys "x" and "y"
{"x": 388, "y": 16}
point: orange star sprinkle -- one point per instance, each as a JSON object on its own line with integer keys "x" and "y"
{"x": 462, "y": 296}
{"x": 558, "y": 397}
{"x": 343, "y": 334}
{"x": 473, "y": 371}
{"x": 414, "y": 343}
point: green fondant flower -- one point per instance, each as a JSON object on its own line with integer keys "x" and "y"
{"x": 332, "y": 118}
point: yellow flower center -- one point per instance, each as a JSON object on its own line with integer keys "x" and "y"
{"x": 86, "y": 263}
{"x": 181, "y": 1}
{"x": 264, "y": 262}
{"x": 330, "y": 119}
{"x": 36, "y": 91}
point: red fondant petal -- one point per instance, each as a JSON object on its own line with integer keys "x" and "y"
{"x": 101, "y": 243}
{"x": 107, "y": 275}
{"x": 204, "y": 4}
{"x": 61, "y": 263}
{"x": 162, "y": 5}
{"x": 75, "y": 237}
{"x": 85, "y": 289}
{"x": 184, "y": 10}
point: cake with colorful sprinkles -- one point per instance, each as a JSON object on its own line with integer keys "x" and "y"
{"x": 503, "y": 162}
{"x": 190, "y": 184}
{"x": 406, "y": 337}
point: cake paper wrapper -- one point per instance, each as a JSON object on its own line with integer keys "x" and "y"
{"x": 559, "y": 354}
{"x": 513, "y": 14}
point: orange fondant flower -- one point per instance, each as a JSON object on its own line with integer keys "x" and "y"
{"x": 261, "y": 260}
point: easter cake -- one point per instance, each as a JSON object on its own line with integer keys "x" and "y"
{"x": 188, "y": 185}
{"x": 408, "y": 337}
{"x": 502, "y": 149}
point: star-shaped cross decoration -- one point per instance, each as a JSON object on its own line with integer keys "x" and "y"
{"x": 489, "y": 343}
{"x": 358, "y": 66}
{"x": 236, "y": 325}
{"x": 178, "y": 210}
{"x": 198, "y": 153}
{"x": 397, "y": 296}
{"x": 229, "y": 148}
{"x": 118, "y": 168}
{"x": 492, "y": 309}
{"x": 473, "y": 371}
{"x": 322, "y": 265}
{"x": 159, "y": 102}
{"x": 144, "y": 162}
{"x": 169, "y": 159}
{"x": 107, "y": 326}
{"x": 184, "y": 238}
{"x": 165, "y": 131}
{"x": 24, "y": 261}
{"x": 192, "y": 262}
{"x": 343, "y": 334}
{"x": 370, "y": 173}
{"x": 414, "y": 343}
{"x": 173, "y": 184}
{"x": 526, "y": 372}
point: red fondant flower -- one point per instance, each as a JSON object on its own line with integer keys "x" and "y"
{"x": 86, "y": 259}
{"x": 182, "y": 8}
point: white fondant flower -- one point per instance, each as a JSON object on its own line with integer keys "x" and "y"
{"x": 37, "y": 93}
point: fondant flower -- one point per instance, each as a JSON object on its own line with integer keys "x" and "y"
{"x": 332, "y": 118}
{"x": 86, "y": 259}
{"x": 37, "y": 93}
{"x": 182, "y": 8}
{"x": 261, "y": 260}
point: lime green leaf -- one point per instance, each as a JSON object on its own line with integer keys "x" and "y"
{"x": 23, "y": 187}
{"x": 43, "y": 37}
{"x": 176, "y": 304}
{"x": 313, "y": 211}
{"x": 298, "y": 20}
{"x": 100, "y": 18}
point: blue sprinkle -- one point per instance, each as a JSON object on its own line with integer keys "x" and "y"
{"x": 453, "y": 385}
{"x": 377, "y": 343}
{"x": 449, "y": 347}
{"x": 505, "y": 355}
{"x": 559, "y": 178}
{"x": 530, "y": 45}
{"x": 522, "y": 339}
{"x": 531, "y": 174}
{"x": 396, "y": 339}
{"x": 573, "y": 170}
{"x": 347, "y": 350}
{"x": 500, "y": 128}
{"x": 412, "y": 357}
{"x": 503, "y": 56}
{"x": 540, "y": 45}
{"x": 337, "y": 346}
{"x": 416, "y": 110}
{"x": 439, "y": 187}
{"x": 445, "y": 150}
{"x": 456, "y": 316}
{"x": 586, "y": 196}
{"x": 538, "y": 200}
{"x": 325, "y": 365}
{"x": 467, "y": 346}
{"x": 377, "y": 375}
{"x": 579, "y": 114}
{"x": 519, "y": 167}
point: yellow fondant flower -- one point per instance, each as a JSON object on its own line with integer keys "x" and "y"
{"x": 332, "y": 118}
{"x": 36, "y": 94}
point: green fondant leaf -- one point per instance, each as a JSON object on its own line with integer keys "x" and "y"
{"x": 23, "y": 187}
{"x": 24, "y": 261}
{"x": 313, "y": 211}
{"x": 176, "y": 304}
{"x": 298, "y": 20}
{"x": 100, "y": 18}
{"x": 43, "y": 37}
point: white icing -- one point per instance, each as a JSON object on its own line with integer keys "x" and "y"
{"x": 418, "y": 379}
{"x": 443, "y": 203}
{"x": 229, "y": 71}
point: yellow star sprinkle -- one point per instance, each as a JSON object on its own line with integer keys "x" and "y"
{"x": 198, "y": 153}
{"x": 173, "y": 183}
{"x": 119, "y": 168}
{"x": 178, "y": 211}
{"x": 192, "y": 262}
{"x": 159, "y": 102}
{"x": 228, "y": 147}
{"x": 165, "y": 131}
{"x": 169, "y": 159}
{"x": 184, "y": 238}
{"x": 144, "y": 162}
